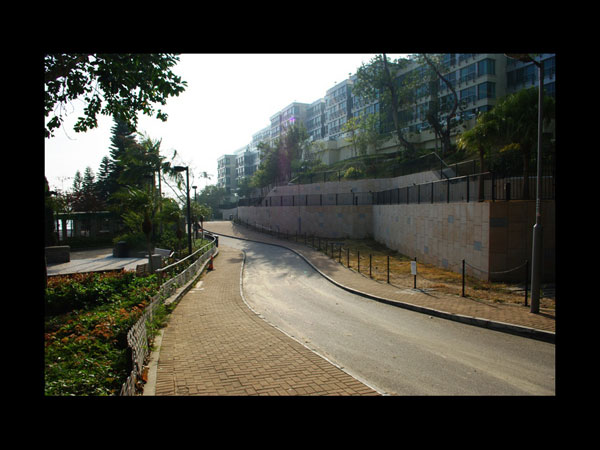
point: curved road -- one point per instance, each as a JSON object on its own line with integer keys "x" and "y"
{"x": 396, "y": 351}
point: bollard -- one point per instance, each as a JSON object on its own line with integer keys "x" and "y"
{"x": 388, "y": 269}
{"x": 526, "y": 279}
{"x": 415, "y": 280}
{"x": 463, "y": 277}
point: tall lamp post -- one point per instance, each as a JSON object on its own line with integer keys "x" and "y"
{"x": 187, "y": 185}
{"x": 195, "y": 218}
{"x": 536, "y": 260}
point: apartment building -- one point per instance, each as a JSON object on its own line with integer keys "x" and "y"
{"x": 246, "y": 162}
{"x": 338, "y": 108}
{"x": 291, "y": 114}
{"x": 315, "y": 120}
{"x": 520, "y": 75}
{"x": 479, "y": 80}
{"x": 226, "y": 173}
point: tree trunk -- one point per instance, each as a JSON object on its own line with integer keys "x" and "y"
{"x": 394, "y": 108}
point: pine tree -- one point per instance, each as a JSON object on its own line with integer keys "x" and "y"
{"x": 111, "y": 169}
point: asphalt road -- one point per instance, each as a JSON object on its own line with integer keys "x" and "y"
{"x": 396, "y": 351}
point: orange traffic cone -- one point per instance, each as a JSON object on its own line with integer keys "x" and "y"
{"x": 210, "y": 264}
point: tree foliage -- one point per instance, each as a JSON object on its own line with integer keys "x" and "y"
{"x": 120, "y": 85}
{"x": 506, "y": 136}
{"x": 281, "y": 158}
{"x": 376, "y": 80}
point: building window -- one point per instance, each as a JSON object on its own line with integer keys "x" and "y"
{"x": 468, "y": 95}
{"x": 486, "y": 67}
{"x": 468, "y": 73}
{"x": 486, "y": 90}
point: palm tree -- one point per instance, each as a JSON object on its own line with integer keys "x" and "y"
{"x": 140, "y": 208}
{"x": 481, "y": 139}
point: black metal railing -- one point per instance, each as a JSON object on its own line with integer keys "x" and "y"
{"x": 469, "y": 188}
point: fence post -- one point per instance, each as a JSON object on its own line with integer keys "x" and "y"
{"x": 432, "y": 192}
{"x": 526, "y": 279}
{"x": 358, "y": 258}
{"x": 388, "y": 269}
{"x": 348, "y": 256}
{"x": 467, "y": 188}
{"x": 463, "y": 277}
{"x": 415, "y": 276}
{"x": 370, "y": 266}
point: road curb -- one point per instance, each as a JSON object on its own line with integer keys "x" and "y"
{"x": 519, "y": 330}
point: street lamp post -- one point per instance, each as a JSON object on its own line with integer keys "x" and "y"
{"x": 195, "y": 218}
{"x": 187, "y": 184}
{"x": 536, "y": 263}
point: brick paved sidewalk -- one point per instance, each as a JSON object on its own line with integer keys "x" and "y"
{"x": 215, "y": 345}
{"x": 464, "y": 308}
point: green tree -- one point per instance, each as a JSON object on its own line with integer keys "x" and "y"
{"x": 377, "y": 80}
{"x": 355, "y": 138}
{"x": 441, "y": 111}
{"x": 244, "y": 188}
{"x": 370, "y": 130}
{"x": 120, "y": 85}
{"x": 481, "y": 140}
{"x": 509, "y": 132}
{"x": 139, "y": 207}
{"x": 268, "y": 170}
{"x": 212, "y": 196}
{"x": 518, "y": 126}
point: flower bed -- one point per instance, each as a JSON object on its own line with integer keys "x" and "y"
{"x": 86, "y": 324}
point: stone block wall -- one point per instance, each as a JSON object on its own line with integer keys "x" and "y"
{"x": 494, "y": 238}
{"x": 442, "y": 234}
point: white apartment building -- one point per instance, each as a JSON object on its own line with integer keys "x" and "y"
{"x": 479, "y": 80}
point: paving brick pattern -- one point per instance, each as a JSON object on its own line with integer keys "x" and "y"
{"x": 215, "y": 345}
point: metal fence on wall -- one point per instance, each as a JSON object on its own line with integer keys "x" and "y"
{"x": 469, "y": 188}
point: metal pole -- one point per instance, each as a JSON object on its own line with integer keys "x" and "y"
{"x": 526, "y": 279}
{"x": 536, "y": 263}
{"x": 415, "y": 279}
{"x": 187, "y": 180}
{"x": 463, "y": 277}
{"x": 388, "y": 269}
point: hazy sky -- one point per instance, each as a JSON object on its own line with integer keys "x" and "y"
{"x": 229, "y": 97}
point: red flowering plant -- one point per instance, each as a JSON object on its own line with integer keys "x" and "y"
{"x": 86, "y": 346}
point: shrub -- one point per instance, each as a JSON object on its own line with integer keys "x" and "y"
{"x": 353, "y": 173}
{"x": 86, "y": 350}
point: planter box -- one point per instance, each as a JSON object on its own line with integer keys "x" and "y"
{"x": 58, "y": 254}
